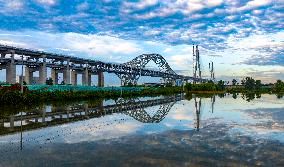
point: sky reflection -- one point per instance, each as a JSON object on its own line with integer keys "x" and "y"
{"x": 231, "y": 129}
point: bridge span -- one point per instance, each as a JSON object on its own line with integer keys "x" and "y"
{"x": 70, "y": 66}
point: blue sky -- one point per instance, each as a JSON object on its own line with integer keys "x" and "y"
{"x": 243, "y": 38}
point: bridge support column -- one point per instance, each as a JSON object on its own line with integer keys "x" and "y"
{"x": 11, "y": 70}
{"x": 74, "y": 78}
{"x": 90, "y": 80}
{"x": 42, "y": 72}
{"x": 101, "y": 82}
{"x": 3, "y": 55}
{"x": 66, "y": 73}
{"x": 54, "y": 76}
{"x": 28, "y": 75}
{"x": 12, "y": 121}
{"x": 2, "y": 123}
{"x": 43, "y": 116}
{"x": 85, "y": 77}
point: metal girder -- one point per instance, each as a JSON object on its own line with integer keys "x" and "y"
{"x": 140, "y": 63}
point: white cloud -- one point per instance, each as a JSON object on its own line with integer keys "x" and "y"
{"x": 11, "y": 6}
{"x": 47, "y": 2}
{"x": 83, "y": 6}
{"x": 152, "y": 32}
{"x": 100, "y": 45}
{"x": 83, "y": 45}
{"x": 184, "y": 6}
{"x": 140, "y": 4}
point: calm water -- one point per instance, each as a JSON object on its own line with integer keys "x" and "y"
{"x": 148, "y": 131}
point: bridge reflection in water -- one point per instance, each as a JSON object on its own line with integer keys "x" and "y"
{"x": 56, "y": 115}
{"x": 133, "y": 107}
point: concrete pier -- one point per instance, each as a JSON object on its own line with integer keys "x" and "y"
{"x": 85, "y": 77}
{"x": 101, "y": 82}
{"x": 28, "y": 75}
{"x": 66, "y": 73}
{"x": 74, "y": 78}
{"x": 42, "y": 72}
{"x": 54, "y": 76}
{"x": 11, "y": 70}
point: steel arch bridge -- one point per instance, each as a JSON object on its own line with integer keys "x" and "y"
{"x": 140, "y": 63}
{"x": 128, "y": 72}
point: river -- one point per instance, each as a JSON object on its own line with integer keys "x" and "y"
{"x": 223, "y": 130}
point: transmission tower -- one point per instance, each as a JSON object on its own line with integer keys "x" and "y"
{"x": 211, "y": 70}
{"x": 196, "y": 63}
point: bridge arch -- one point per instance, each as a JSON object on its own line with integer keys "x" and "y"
{"x": 140, "y": 62}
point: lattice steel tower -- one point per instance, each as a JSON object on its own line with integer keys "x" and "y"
{"x": 196, "y": 62}
{"x": 211, "y": 70}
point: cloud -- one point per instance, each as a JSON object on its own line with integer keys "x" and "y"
{"x": 11, "y": 6}
{"x": 106, "y": 48}
{"x": 248, "y": 32}
{"x": 47, "y": 2}
{"x": 140, "y": 4}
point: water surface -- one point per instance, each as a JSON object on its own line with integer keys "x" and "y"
{"x": 147, "y": 131}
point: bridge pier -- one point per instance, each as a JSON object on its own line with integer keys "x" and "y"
{"x": 1, "y": 123}
{"x": 86, "y": 81}
{"x": 28, "y": 75}
{"x": 12, "y": 122}
{"x": 66, "y": 73}
{"x": 101, "y": 82}
{"x": 42, "y": 72}
{"x": 74, "y": 77}
{"x": 11, "y": 70}
{"x": 54, "y": 76}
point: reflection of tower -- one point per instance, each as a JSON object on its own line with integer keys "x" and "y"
{"x": 196, "y": 62}
{"x": 197, "y": 112}
{"x": 212, "y": 103}
{"x": 211, "y": 70}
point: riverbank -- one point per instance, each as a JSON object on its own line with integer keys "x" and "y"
{"x": 13, "y": 96}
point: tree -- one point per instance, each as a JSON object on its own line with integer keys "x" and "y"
{"x": 188, "y": 87}
{"x": 234, "y": 82}
{"x": 221, "y": 85}
{"x": 279, "y": 86}
{"x": 258, "y": 84}
{"x": 248, "y": 83}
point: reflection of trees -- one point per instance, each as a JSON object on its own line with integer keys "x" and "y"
{"x": 235, "y": 95}
{"x": 280, "y": 95}
{"x": 250, "y": 96}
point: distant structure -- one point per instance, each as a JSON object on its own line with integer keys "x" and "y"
{"x": 196, "y": 63}
{"x": 211, "y": 70}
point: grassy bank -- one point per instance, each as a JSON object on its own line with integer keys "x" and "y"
{"x": 13, "y": 96}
